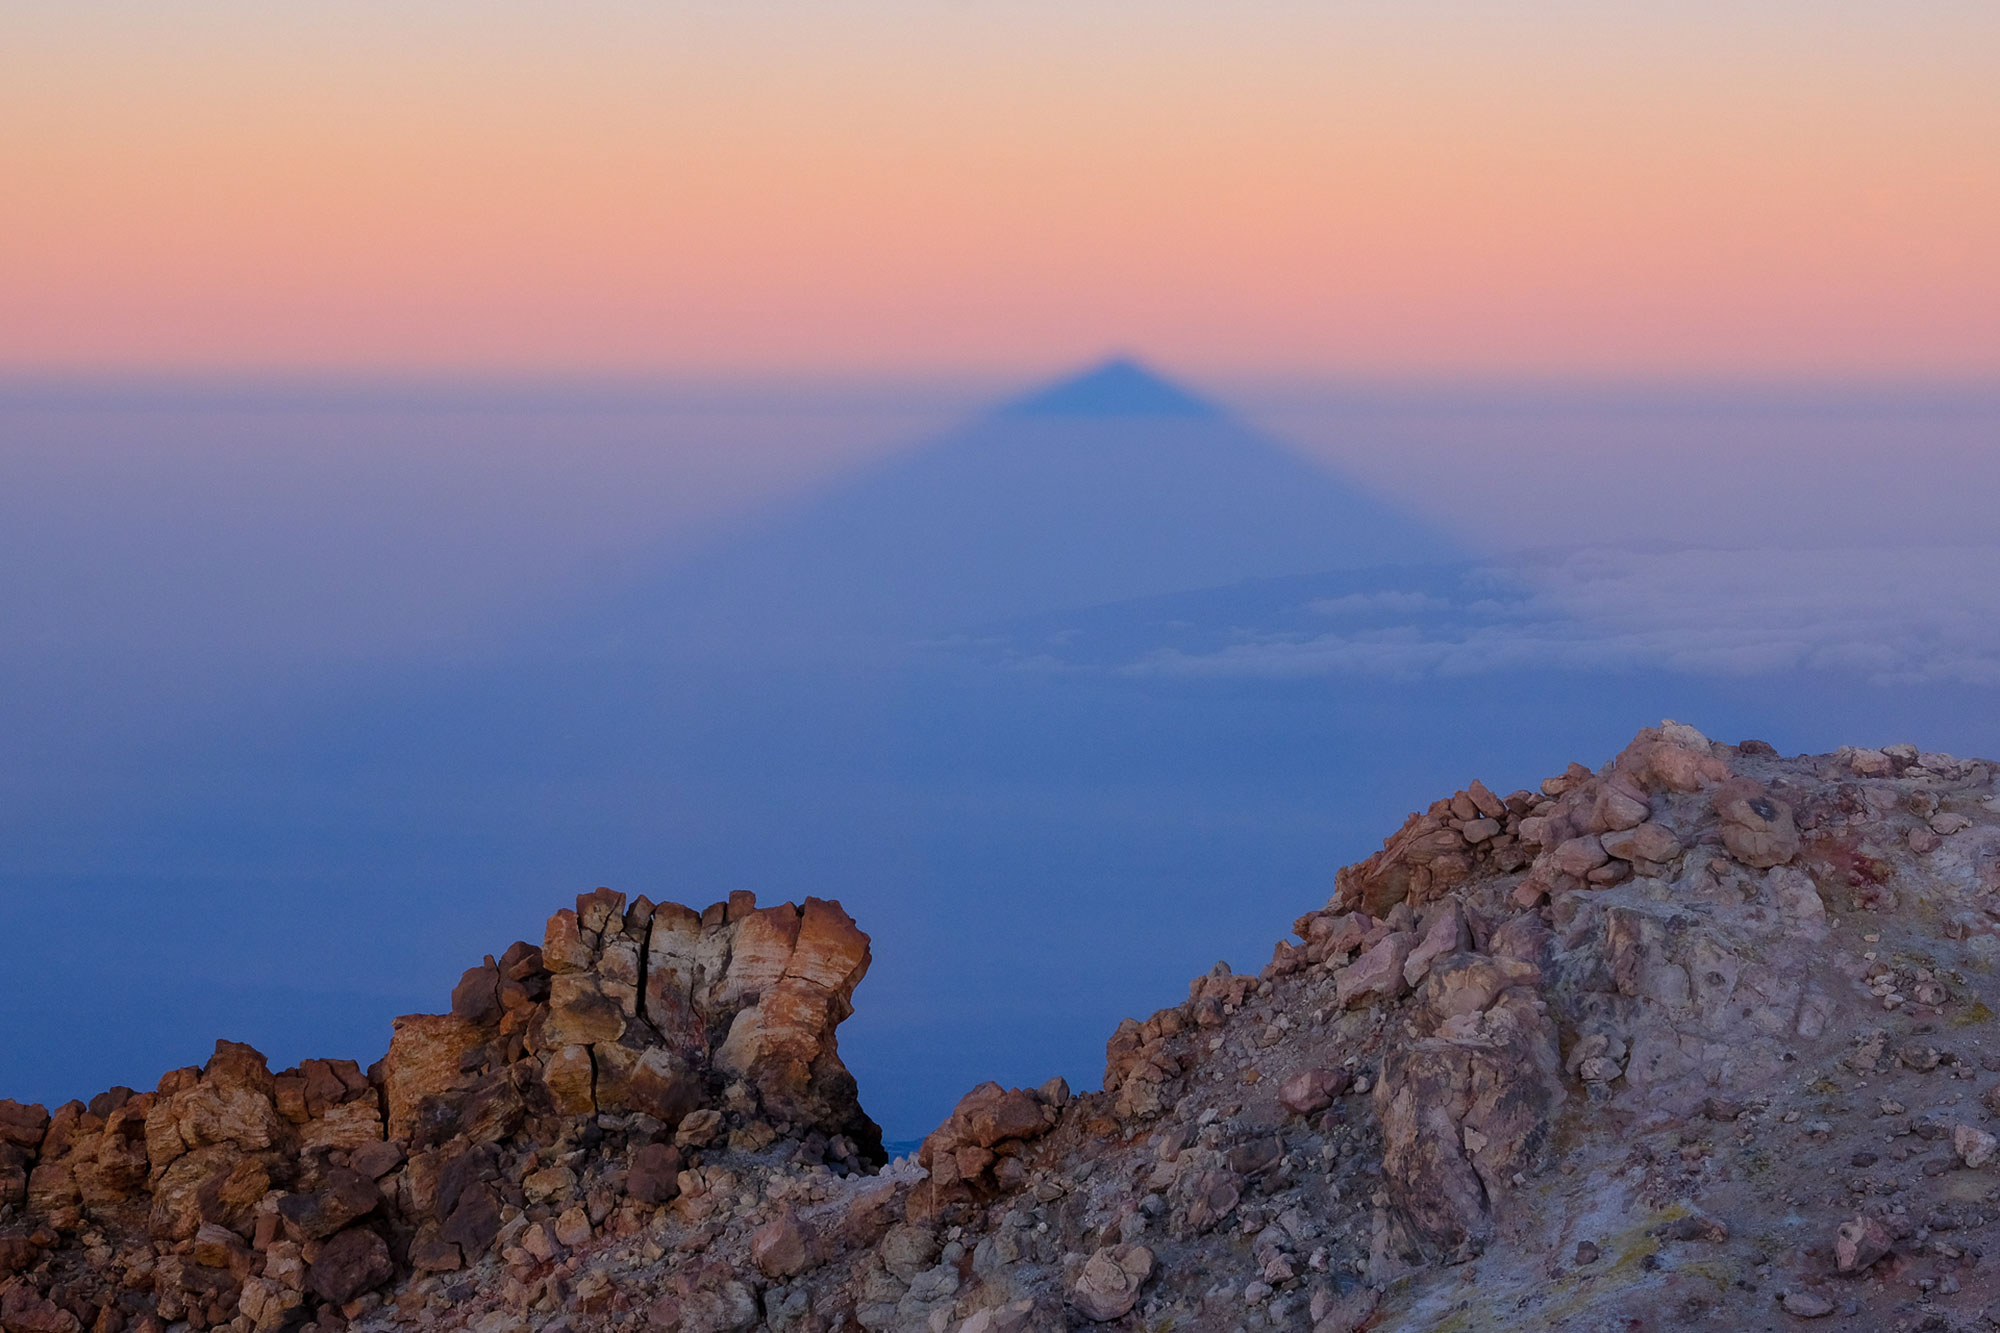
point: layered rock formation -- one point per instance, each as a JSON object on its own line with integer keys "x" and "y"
{"x": 1700, "y": 1039}
{"x": 575, "y": 1079}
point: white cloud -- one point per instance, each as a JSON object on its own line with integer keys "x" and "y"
{"x": 1892, "y": 616}
{"x": 1378, "y": 603}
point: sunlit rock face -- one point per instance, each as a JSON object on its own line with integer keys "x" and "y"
{"x": 235, "y": 1195}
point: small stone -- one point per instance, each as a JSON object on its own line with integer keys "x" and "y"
{"x": 573, "y": 1227}
{"x": 1806, "y": 1305}
{"x": 375, "y": 1160}
{"x": 1642, "y": 842}
{"x": 1615, "y": 810}
{"x": 348, "y": 1197}
{"x": 1695, "y": 1226}
{"x": 1860, "y": 1243}
{"x": 699, "y": 1129}
{"x": 782, "y": 1248}
{"x": 1377, "y": 974}
{"x": 1580, "y": 856}
{"x": 1109, "y": 1285}
{"x": 1757, "y": 828}
{"x": 548, "y": 1183}
{"x": 1870, "y": 764}
{"x": 1916, "y": 1055}
{"x": 1312, "y": 1090}
{"x": 1014, "y": 1317}
{"x": 653, "y": 1177}
{"x": 1974, "y": 1146}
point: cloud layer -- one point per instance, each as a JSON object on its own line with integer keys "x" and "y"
{"x": 1892, "y": 617}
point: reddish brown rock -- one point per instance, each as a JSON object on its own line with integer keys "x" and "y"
{"x": 13, "y": 1176}
{"x": 1617, "y": 807}
{"x": 216, "y": 1183}
{"x": 655, "y": 1080}
{"x": 230, "y": 1102}
{"x": 1711, "y": 987}
{"x": 349, "y": 1264}
{"x": 348, "y": 1197}
{"x": 1312, "y": 1090}
{"x": 563, "y": 949}
{"x": 1464, "y": 1112}
{"x": 375, "y": 1160}
{"x": 219, "y": 1247}
{"x": 347, "y": 1126}
{"x": 1469, "y": 983}
{"x": 613, "y": 1023}
{"x": 1642, "y": 842}
{"x": 1332, "y": 935}
{"x": 760, "y": 953}
{"x": 1377, "y": 974}
{"x": 427, "y": 1054}
{"x": 984, "y": 1117}
{"x": 571, "y": 1078}
{"x": 52, "y": 1189}
{"x": 476, "y": 998}
{"x": 580, "y": 1012}
{"x": 1757, "y": 828}
{"x": 23, "y": 1310}
{"x": 1672, "y": 757}
{"x": 17, "y": 1253}
{"x": 783, "y": 1247}
{"x": 23, "y": 1126}
{"x": 1859, "y": 1244}
{"x": 1484, "y": 801}
{"x": 653, "y": 1177}
{"x": 600, "y": 911}
{"x": 1109, "y": 1285}
{"x": 990, "y": 1113}
{"x": 832, "y": 951}
{"x": 1444, "y": 932}
{"x": 1579, "y": 856}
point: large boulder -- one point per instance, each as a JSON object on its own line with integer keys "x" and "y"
{"x": 349, "y": 1264}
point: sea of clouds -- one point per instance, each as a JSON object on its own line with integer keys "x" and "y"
{"x": 1890, "y": 616}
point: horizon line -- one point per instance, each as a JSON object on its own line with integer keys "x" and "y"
{"x": 78, "y": 386}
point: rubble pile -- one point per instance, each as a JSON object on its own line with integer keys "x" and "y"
{"x": 1700, "y": 1039}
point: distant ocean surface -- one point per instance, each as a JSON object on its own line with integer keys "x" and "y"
{"x": 317, "y": 694}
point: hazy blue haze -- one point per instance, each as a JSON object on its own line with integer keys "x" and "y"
{"x": 314, "y": 697}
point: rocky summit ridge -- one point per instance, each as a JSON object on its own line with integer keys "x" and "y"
{"x": 1701, "y": 1039}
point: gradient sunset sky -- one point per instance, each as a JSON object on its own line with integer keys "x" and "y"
{"x": 1765, "y": 188}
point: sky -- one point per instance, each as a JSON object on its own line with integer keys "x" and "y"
{"x": 1798, "y": 189}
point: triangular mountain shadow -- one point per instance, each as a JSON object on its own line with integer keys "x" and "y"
{"x": 1110, "y": 485}
{"x": 1120, "y": 387}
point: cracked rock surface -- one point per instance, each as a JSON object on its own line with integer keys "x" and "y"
{"x": 1702, "y": 1038}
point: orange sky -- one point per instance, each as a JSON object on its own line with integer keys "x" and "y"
{"x": 1373, "y": 187}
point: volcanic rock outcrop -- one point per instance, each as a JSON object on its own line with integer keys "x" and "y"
{"x": 231, "y": 1195}
{"x": 1700, "y": 1039}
